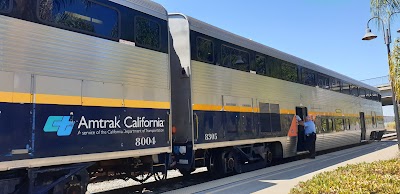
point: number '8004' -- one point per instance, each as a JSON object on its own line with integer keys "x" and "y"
{"x": 145, "y": 141}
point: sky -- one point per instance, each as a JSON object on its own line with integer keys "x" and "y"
{"x": 325, "y": 32}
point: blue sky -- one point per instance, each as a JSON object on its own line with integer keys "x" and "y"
{"x": 326, "y": 32}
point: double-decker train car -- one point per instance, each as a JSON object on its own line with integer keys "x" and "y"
{"x": 84, "y": 93}
{"x": 243, "y": 98}
{"x": 93, "y": 90}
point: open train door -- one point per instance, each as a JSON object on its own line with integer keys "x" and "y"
{"x": 302, "y": 113}
{"x": 362, "y": 125}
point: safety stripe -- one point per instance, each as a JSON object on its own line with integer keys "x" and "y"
{"x": 15, "y": 97}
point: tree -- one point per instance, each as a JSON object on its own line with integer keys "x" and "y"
{"x": 394, "y": 68}
{"x": 383, "y": 9}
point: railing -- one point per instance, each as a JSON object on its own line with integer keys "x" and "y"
{"x": 377, "y": 81}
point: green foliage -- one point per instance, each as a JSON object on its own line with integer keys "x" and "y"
{"x": 383, "y": 8}
{"x": 394, "y": 68}
{"x": 376, "y": 177}
{"x": 147, "y": 32}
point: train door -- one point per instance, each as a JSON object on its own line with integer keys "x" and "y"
{"x": 362, "y": 125}
{"x": 302, "y": 113}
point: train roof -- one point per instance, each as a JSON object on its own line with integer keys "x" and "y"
{"x": 148, "y": 7}
{"x": 224, "y": 35}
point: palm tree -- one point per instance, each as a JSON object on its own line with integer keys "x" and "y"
{"x": 383, "y": 9}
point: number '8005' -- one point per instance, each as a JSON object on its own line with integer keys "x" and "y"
{"x": 145, "y": 141}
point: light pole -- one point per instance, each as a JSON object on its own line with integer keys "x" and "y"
{"x": 388, "y": 39}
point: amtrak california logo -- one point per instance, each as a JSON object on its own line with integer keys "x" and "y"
{"x": 62, "y": 125}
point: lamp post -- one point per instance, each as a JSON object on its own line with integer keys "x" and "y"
{"x": 388, "y": 39}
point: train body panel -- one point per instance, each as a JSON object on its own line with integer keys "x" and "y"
{"x": 118, "y": 89}
{"x": 239, "y": 108}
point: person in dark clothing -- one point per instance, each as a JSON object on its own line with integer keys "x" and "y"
{"x": 311, "y": 135}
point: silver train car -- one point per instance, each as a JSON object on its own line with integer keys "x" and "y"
{"x": 95, "y": 90}
{"x": 243, "y": 98}
{"x": 84, "y": 93}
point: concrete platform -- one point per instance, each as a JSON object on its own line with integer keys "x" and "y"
{"x": 281, "y": 178}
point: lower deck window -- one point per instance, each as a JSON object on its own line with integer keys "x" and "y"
{"x": 5, "y": 5}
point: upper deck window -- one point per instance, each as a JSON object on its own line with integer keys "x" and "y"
{"x": 289, "y": 72}
{"x": 147, "y": 33}
{"x": 5, "y": 5}
{"x": 235, "y": 58}
{"x": 261, "y": 65}
{"x": 205, "y": 50}
{"x": 85, "y": 16}
{"x": 308, "y": 77}
{"x": 323, "y": 81}
{"x": 345, "y": 88}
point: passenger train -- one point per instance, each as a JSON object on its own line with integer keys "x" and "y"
{"x": 93, "y": 90}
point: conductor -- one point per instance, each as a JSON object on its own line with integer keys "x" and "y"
{"x": 311, "y": 136}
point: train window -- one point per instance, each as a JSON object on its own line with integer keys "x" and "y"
{"x": 323, "y": 81}
{"x": 235, "y": 58}
{"x": 339, "y": 125}
{"x": 261, "y": 65}
{"x": 265, "y": 117}
{"x": 308, "y": 77}
{"x": 5, "y": 5}
{"x": 84, "y": 16}
{"x": 336, "y": 85}
{"x": 345, "y": 88}
{"x": 289, "y": 72}
{"x": 379, "y": 98}
{"x": 354, "y": 90}
{"x": 205, "y": 50}
{"x": 362, "y": 93}
{"x": 330, "y": 125}
{"x": 324, "y": 125}
{"x": 147, "y": 33}
{"x": 275, "y": 117}
{"x": 275, "y": 65}
{"x": 375, "y": 96}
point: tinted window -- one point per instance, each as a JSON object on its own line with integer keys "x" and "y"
{"x": 147, "y": 33}
{"x": 336, "y": 85}
{"x": 234, "y": 58}
{"x": 345, "y": 88}
{"x": 354, "y": 90}
{"x": 308, "y": 77}
{"x": 261, "y": 65}
{"x": 205, "y": 50}
{"x": 323, "y": 81}
{"x": 5, "y": 5}
{"x": 368, "y": 94}
{"x": 362, "y": 93}
{"x": 339, "y": 124}
{"x": 289, "y": 72}
{"x": 85, "y": 16}
{"x": 275, "y": 66}
{"x": 375, "y": 96}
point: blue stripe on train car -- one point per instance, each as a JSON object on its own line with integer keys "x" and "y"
{"x": 73, "y": 130}
{"x": 213, "y": 126}
{"x": 15, "y": 129}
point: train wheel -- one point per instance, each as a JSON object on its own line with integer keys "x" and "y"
{"x": 186, "y": 172}
{"x": 238, "y": 164}
{"x": 211, "y": 168}
{"x": 268, "y": 157}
